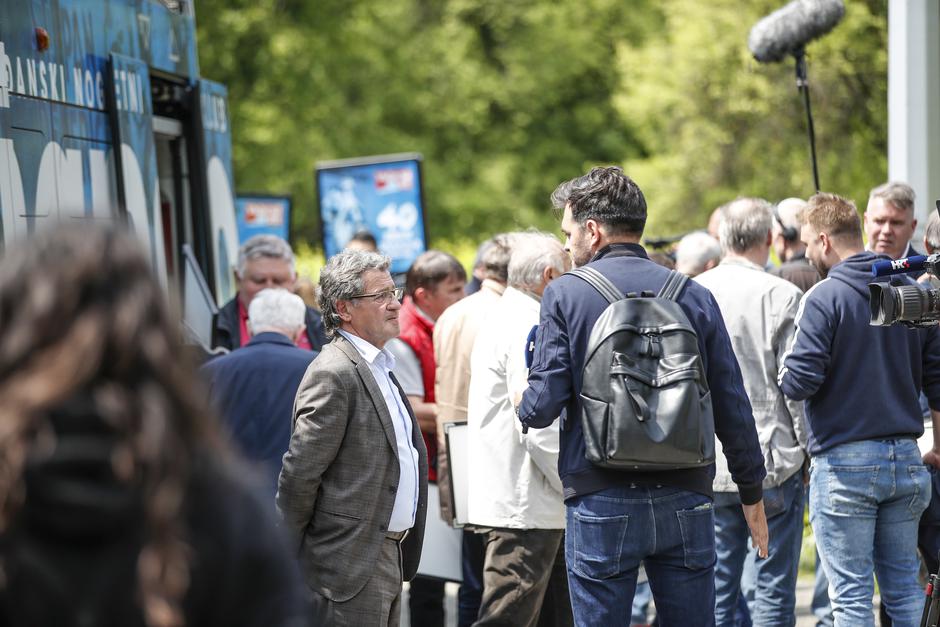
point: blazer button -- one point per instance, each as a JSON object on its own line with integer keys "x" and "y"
{"x": 392, "y": 489}
{"x": 383, "y": 528}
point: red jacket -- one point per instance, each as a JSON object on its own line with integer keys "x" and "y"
{"x": 416, "y": 332}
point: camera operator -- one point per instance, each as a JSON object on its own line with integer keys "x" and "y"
{"x": 868, "y": 486}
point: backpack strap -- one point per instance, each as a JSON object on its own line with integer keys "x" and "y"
{"x": 673, "y": 286}
{"x": 599, "y": 282}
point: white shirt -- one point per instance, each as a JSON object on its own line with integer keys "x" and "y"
{"x": 514, "y": 480}
{"x": 381, "y": 363}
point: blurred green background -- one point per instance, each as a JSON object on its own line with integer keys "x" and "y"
{"x": 507, "y": 99}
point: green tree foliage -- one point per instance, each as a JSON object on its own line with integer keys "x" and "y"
{"x": 506, "y": 99}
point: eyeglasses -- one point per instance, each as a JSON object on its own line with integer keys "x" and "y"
{"x": 384, "y": 297}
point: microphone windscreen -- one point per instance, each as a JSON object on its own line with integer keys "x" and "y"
{"x": 791, "y": 27}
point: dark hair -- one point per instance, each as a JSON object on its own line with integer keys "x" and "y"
{"x": 430, "y": 268}
{"x": 84, "y": 320}
{"x": 607, "y": 195}
{"x": 365, "y": 237}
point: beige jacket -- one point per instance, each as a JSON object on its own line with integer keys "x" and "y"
{"x": 454, "y": 334}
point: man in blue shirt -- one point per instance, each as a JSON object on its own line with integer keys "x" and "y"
{"x": 616, "y": 519}
{"x": 868, "y": 485}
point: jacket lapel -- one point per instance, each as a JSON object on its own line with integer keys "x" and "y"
{"x": 372, "y": 388}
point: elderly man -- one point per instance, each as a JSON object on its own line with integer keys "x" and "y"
{"x": 264, "y": 261}
{"x": 353, "y": 487}
{"x": 868, "y": 486}
{"x": 618, "y": 518}
{"x": 759, "y": 311}
{"x": 890, "y": 221}
{"x": 253, "y": 388}
{"x": 515, "y": 495}
{"x": 696, "y": 253}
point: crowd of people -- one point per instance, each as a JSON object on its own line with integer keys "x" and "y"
{"x": 338, "y": 408}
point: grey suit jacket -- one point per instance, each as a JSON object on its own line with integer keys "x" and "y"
{"x": 340, "y": 475}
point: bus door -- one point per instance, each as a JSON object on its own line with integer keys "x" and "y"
{"x": 135, "y": 155}
{"x": 212, "y": 161}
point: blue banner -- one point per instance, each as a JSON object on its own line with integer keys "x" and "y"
{"x": 262, "y": 215}
{"x": 381, "y": 195}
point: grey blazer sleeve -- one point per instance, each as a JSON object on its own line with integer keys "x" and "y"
{"x": 320, "y": 417}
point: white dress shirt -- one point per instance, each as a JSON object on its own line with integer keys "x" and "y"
{"x": 381, "y": 363}
{"x": 513, "y": 479}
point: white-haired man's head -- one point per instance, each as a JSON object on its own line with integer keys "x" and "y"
{"x": 786, "y": 228}
{"x": 277, "y": 311}
{"x": 536, "y": 260}
{"x": 696, "y": 253}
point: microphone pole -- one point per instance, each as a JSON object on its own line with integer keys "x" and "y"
{"x": 802, "y": 84}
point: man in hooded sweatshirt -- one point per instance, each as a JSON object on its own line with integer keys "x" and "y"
{"x": 868, "y": 484}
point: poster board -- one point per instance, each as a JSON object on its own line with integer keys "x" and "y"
{"x": 261, "y": 214}
{"x": 382, "y": 195}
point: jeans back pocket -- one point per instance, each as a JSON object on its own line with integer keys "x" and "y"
{"x": 697, "y": 527}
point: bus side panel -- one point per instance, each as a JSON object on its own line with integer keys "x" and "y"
{"x": 215, "y": 205}
{"x": 136, "y": 154}
{"x": 85, "y": 172}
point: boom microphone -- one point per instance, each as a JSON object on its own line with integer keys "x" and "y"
{"x": 788, "y": 29}
{"x": 915, "y": 263}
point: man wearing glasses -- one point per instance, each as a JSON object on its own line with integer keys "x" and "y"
{"x": 353, "y": 487}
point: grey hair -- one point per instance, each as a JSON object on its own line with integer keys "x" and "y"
{"x": 897, "y": 194}
{"x": 532, "y": 252}
{"x": 267, "y": 246}
{"x": 276, "y": 310}
{"x": 341, "y": 279}
{"x": 695, "y": 251}
{"x": 932, "y": 232}
{"x": 495, "y": 258}
{"x": 745, "y": 224}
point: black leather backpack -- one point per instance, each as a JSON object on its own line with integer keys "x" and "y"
{"x": 645, "y": 402}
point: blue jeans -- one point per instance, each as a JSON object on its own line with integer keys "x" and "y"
{"x": 670, "y": 530}
{"x": 775, "y": 576}
{"x": 866, "y": 499}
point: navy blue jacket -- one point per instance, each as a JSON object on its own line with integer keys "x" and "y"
{"x": 253, "y": 390}
{"x": 859, "y": 382}
{"x": 226, "y": 328}
{"x": 570, "y": 307}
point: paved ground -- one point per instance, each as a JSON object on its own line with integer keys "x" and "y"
{"x": 804, "y": 594}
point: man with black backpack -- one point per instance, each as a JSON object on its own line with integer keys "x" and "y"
{"x": 646, "y": 383}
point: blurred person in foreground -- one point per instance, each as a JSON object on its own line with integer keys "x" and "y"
{"x": 253, "y": 388}
{"x": 759, "y": 312}
{"x": 454, "y": 334}
{"x": 119, "y": 504}
{"x": 515, "y": 495}
{"x": 860, "y": 384}
{"x": 353, "y": 487}
{"x": 617, "y": 519}
{"x": 696, "y": 253}
{"x": 264, "y": 261}
{"x": 789, "y": 248}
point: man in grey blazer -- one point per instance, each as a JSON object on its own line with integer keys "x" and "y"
{"x": 353, "y": 487}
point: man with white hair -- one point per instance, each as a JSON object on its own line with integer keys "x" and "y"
{"x": 790, "y": 249}
{"x": 253, "y": 388}
{"x": 515, "y": 494}
{"x": 264, "y": 261}
{"x": 697, "y": 252}
{"x": 759, "y": 311}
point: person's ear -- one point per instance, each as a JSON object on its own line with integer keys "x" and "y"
{"x": 593, "y": 229}
{"x": 342, "y": 310}
{"x": 420, "y": 296}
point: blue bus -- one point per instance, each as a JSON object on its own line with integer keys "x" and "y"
{"x": 103, "y": 116}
